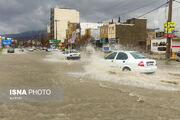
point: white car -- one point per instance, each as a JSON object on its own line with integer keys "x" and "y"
{"x": 49, "y": 49}
{"x": 132, "y": 61}
{"x": 31, "y": 49}
{"x": 21, "y": 50}
{"x": 72, "y": 54}
{"x": 34, "y": 48}
{"x": 44, "y": 48}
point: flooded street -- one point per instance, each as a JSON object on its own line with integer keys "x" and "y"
{"x": 91, "y": 89}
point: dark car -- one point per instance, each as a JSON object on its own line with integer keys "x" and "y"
{"x": 10, "y": 50}
{"x": 178, "y": 54}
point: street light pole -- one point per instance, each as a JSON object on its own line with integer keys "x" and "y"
{"x": 56, "y": 32}
{"x": 168, "y": 48}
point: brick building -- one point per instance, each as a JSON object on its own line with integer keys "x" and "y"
{"x": 132, "y": 33}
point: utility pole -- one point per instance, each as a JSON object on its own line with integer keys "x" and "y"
{"x": 168, "y": 47}
{"x": 56, "y": 31}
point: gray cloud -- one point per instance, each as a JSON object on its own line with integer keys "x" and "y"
{"x": 28, "y": 15}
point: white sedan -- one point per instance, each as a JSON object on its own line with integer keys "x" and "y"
{"x": 30, "y": 49}
{"x": 132, "y": 61}
{"x": 72, "y": 54}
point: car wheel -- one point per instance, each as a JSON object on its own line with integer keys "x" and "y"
{"x": 126, "y": 69}
{"x": 68, "y": 58}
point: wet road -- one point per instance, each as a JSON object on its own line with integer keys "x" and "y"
{"x": 90, "y": 90}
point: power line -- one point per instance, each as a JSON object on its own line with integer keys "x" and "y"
{"x": 134, "y": 9}
{"x": 177, "y": 1}
{"x": 153, "y": 10}
{"x": 130, "y": 11}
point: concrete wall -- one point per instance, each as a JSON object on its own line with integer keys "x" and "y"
{"x": 176, "y": 45}
{"x": 63, "y": 16}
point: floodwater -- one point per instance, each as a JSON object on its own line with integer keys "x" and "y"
{"x": 91, "y": 89}
{"x": 167, "y": 76}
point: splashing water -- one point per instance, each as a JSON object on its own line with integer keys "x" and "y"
{"x": 96, "y": 68}
{"x": 55, "y": 56}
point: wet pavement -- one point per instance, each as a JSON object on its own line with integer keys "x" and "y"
{"x": 91, "y": 91}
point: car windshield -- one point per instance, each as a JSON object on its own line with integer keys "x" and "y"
{"x": 138, "y": 55}
{"x": 74, "y": 51}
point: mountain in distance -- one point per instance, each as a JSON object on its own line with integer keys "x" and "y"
{"x": 30, "y": 35}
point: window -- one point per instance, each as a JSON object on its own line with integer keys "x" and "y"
{"x": 138, "y": 55}
{"x": 111, "y": 56}
{"x": 112, "y": 29}
{"x": 161, "y": 48}
{"x": 122, "y": 56}
{"x": 103, "y": 31}
{"x": 73, "y": 51}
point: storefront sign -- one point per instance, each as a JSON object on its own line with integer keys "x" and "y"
{"x": 6, "y": 42}
{"x": 170, "y": 29}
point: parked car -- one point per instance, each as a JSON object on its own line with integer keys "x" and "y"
{"x": 132, "y": 61}
{"x": 31, "y": 49}
{"x": 45, "y": 48}
{"x": 10, "y": 50}
{"x": 34, "y": 48}
{"x": 49, "y": 49}
{"x": 21, "y": 50}
{"x": 178, "y": 54}
{"x": 41, "y": 48}
{"x": 72, "y": 54}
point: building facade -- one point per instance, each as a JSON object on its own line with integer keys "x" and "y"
{"x": 113, "y": 33}
{"x": 92, "y": 26}
{"x": 132, "y": 33}
{"x": 104, "y": 34}
{"x": 59, "y": 21}
{"x": 73, "y": 31}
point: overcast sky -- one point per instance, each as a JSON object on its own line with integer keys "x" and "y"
{"x": 29, "y": 15}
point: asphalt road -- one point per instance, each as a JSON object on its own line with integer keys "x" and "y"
{"x": 89, "y": 93}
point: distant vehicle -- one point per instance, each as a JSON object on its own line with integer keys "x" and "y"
{"x": 49, "y": 49}
{"x": 34, "y": 48}
{"x": 55, "y": 49}
{"x": 21, "y": 50}
{"x": 44, "y": 48}
{"x": 132, "y": 61}
{"x": 31, "y": 49}
{"x": 10, "y": 50}
{"x": 178, "y": 54}
{"x": 72, "y": 54}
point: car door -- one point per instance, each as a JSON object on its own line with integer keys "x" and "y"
{"x": 121, "y": 59}
{"x": 110, "y": 58}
